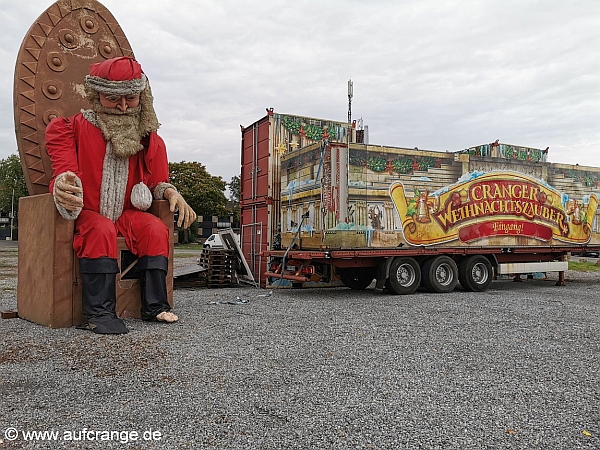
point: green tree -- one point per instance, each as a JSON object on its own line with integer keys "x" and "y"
{"x": 11, "y": 177}
{"x": 234, "y": 197}
{"x": 204, "y": 192}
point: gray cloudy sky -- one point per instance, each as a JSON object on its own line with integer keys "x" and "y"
{"x": 438, "y": 75}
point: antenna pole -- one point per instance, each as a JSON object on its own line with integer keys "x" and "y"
{"x": 350, "y": 95}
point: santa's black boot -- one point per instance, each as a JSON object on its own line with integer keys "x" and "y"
{"x": 98, "y": 295}
{"x": 154, "y": 288}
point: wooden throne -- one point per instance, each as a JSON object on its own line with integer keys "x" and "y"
{"x": 52, "y": 63}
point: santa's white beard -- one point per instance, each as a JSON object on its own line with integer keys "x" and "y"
{"x": 121, "y": 129}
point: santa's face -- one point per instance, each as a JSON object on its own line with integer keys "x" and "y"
{"x": 118, "y": 116}
{"x": 120, "y": 102}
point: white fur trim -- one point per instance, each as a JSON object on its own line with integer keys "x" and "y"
{"x": 159, "y": 190}
{"x": 65, "y": 213}
{"x": 141, "y": 197}
{"x": 115, "y": 172}
{"x": 124, "y": 87}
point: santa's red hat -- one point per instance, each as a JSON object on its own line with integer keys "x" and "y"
{"x": 122, "y": 75}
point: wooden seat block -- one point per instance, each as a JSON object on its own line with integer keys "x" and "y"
{"x": 45, "y": 267}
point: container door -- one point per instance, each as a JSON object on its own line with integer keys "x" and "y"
{"x": 256, "y": 197}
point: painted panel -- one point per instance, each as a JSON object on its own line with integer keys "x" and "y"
{"x": 366, "y": 196}
{"x": 499, "y": 208}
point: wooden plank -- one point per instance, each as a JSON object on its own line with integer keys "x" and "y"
{"x": 9, "y": 314}
{"x": 187, "y": 270}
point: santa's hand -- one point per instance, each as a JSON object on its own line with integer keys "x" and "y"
{"x": 186, "y": 214}
{"x": 66, "y": 192}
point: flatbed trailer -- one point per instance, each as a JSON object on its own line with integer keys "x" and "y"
{"x": 403, "y": 271}
{"x": 321, "y": 206}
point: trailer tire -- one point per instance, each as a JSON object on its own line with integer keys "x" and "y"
{"x": 405, "y": 276}
{"x": 358, "y": 279}
{"x": 475, "y": 273}
{"x": 440, "y": 274}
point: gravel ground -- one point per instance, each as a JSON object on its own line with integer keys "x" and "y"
{"x": 516, "y": 367}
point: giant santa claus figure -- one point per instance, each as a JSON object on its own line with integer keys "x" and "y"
{"x": 109, "y": 163}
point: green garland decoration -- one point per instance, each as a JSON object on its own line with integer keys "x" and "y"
{"x": 402, "y": 165}
{"x": 510, "y": 152}
{"x": 314, "y": 132}
{"x": 293, "y": 126}
{"x": 588, "y": 179}
{"x": 425, "y": 162}
{"x": 376, "y": 163}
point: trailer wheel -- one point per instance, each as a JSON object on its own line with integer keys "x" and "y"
{"x": 405, "y": 276}
{"x": 440, "y": 274}
{"x": 358, "y": 279}
{"x": 475, "y": 273}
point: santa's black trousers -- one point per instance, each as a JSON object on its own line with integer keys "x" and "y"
{"x": 154, "y": 285}
{"x": 98, "y": 295}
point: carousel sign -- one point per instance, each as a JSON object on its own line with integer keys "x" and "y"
{"x": 490, "y": 205}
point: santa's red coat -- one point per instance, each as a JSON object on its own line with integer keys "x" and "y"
{"x": 74, "y": 144}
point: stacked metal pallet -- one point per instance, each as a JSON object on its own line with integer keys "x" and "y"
{"x": 220, "y": 267}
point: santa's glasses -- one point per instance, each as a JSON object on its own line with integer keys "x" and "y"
{"x": 116, "y": 98}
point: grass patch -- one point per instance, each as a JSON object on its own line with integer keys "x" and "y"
{"x": 583, "y": 266}
{"x": 188, "y": 247}
{"x": 185, "y": 254}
